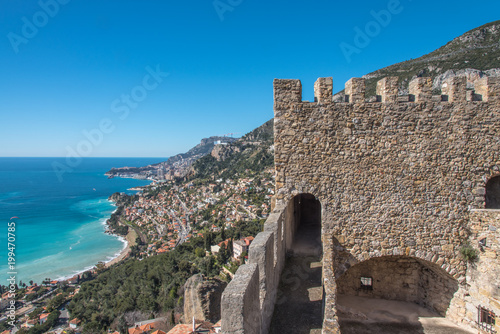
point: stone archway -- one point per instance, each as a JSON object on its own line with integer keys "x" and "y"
{"x": 299, "y": 306}
{"x": 395, "y": 294}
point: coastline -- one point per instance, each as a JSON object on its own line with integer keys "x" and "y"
{"x": 129, "y": 241}
{"x": 63, "y": 223}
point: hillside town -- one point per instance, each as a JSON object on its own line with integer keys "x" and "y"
{"x": 166, "y": 215}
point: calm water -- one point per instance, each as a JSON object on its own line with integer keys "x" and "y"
{"x": 60, "y": 230}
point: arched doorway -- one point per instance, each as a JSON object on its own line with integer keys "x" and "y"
{"x": 303, "y": 225}
{"x": 492, "y": 195}
{"x": 395, "y": 294}
{"x": 299, "y": 306}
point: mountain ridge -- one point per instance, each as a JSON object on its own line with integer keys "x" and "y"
{"x": 474, "y": 54}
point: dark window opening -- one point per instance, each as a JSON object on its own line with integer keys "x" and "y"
{"x": 492, "y": 193}
{"x": 486, "y": 319}
{"x": 366, "y": 283}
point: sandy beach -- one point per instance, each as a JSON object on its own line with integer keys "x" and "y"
{"x": 131, "y": 236}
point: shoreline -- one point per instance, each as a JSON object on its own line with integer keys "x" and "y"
{"x": 129, "y": 242}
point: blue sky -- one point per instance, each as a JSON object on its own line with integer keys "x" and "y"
{"x": 75, "y": 76}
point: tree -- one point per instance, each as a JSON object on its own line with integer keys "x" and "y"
{"x": 223, "y": 232}
{"x": 100, "y": 267}
{"x": 122, "y": 325}
{"x": 230, "y": 248}
{"x": 36, "y": 313}
{"x": 199, "y": 252}
{"x": 208, "y": 241}
{"x": 223, "y": 255}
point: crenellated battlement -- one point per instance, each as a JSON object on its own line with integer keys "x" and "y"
{"x": 489, "y": 89}
{"x": 420, "y": 90}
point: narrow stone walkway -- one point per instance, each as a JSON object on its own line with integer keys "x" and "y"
{"x": 360, "y": 315}
{"x": 299, "y": 307}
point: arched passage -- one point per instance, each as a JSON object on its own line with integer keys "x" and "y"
{"x": 299, "y": 306}
{"x": 395, "y": 293}
{"x": 303, "y": 225}
{"x": 492, "y": 195}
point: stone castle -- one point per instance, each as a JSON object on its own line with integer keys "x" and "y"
{"x": 403, "y": 193}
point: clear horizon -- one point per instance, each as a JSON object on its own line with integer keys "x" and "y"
{"x": 142, "y": 79}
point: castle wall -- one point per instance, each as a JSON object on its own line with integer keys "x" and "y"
{"x": 396, "y": 179}
{"x": 483, "y": 275}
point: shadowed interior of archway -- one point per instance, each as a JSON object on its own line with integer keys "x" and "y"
{"x": 299, "y": 306}
{"x": 395, "y": 294}
{"x": 492, "y": 196}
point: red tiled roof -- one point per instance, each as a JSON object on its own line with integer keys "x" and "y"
{"x": 201, "y": 327}
{"x": 135, "y": 330}
{"x": 181, "y": 329}
{"x": 142, "y": 329}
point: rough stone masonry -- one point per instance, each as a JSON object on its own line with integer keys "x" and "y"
{"x": 402, "y": 184}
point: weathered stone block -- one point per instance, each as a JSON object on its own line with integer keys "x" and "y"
{"x": 323, "y": 90}
{"x": 420, "y": 89}
{"x": 387, "y": 89}
{"x": 287, "y": 91}
{"x": 488, "y": 88}
{"x": 455, "y": 88}
{"x": 355, "y": 90}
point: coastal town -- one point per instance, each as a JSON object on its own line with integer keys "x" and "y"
{"x": 158, "y": 218}
{"x": 166, "y": 215}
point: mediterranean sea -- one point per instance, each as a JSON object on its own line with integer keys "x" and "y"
{"x": 61, "y": 224}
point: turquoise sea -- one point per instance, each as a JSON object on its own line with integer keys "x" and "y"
{"x": 61, "y": 224}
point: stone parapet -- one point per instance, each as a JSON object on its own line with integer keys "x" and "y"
{"x": 240, "y": 302}
{"x": 267, "y": 256}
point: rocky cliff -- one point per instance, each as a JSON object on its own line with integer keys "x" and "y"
{"x": 202, "y": 298}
